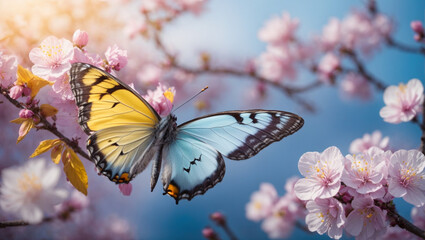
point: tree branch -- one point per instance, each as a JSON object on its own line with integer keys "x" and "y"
{"x": 405, "y": 224}
{"x": 49, "y": 127}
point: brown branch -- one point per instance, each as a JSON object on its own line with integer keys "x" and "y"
{"x": 20, "y": 223}
{"x": 208, "y": 70}
{"x": 49, "y": 127}
{"x": 361, "y": 69}
{"x": 405, "y": 224}
{"x": 392, "y": 43}
{"x": 423, "y": 130}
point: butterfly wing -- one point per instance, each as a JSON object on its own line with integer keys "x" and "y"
{"x": 191, "y": 167}
{"x": 194, "y": 160}
{"x": 240, "y": 135}
{"x": 120, "y": 122}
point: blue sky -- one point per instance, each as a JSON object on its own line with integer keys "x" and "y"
{"x": 229, "y": 29}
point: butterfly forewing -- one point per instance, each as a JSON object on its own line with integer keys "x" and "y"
{"x": 104, "y": 101}
{"x": 242, "y": 134}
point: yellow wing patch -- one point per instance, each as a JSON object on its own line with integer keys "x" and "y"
{"x": 104, "y": 101}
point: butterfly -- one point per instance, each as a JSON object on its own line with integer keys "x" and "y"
{"x": 126, "y": 134}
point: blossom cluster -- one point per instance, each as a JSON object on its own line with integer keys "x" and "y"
{"x": 355, "y": 192}
{"x": 279, "y": 213}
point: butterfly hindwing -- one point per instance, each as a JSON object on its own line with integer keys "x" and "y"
{"x": 240, "y": 135}
{"x": 191, "y": 167}
{"x": 121, "y": 124}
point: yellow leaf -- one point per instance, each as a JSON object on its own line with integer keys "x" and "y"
{"x": 35, "y": 83}
{"x": 48, "y": 110}
{"x": 56, "y": 153}
{"x": 74, "y": 170}
{"x": 25, "y": 128}
{"x": 18, "y": 120}
{"x": 45, "y": 146}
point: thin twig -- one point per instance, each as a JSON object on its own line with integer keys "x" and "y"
{"x": 361, "y": 69}
{"x": 49, "y": 127}
{"x": 20, "y": 223}
{"x": 392, "y": 43}
{"x": 423, "y": 130}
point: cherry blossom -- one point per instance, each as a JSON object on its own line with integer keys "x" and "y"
{"x": 125, "y": 188}
{"x": 277, "y": 63}
{"x": 80, "y": 38}
{"x": 364, "y": 171}
{"x": 322, "y": 172}
{"x": 116, "y": 58}
{"x": 279, "y": 30}
{"x": 8, "y": 68}
{"x": 418, "y": 28}
{"x": 365, "y": 221}
{"x": 326, "y": 215}
{"x": 281, "y": 220}
{"x": 52, "y": 58}
{"x": 403, "y": 102}
{"x": 355, "y": 85}
{"x": 29, "y": 191}
{"x": 327, "y": 67}
{"x": 375, "y": 139}
{"x": 262, "y": 202}
{"x": 161, "y": 99}
{"x": 406, "y": 176}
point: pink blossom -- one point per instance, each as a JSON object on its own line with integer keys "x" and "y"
{"x": 16, "y": 91}
{"x": 366, "y": 221}
{"x": 52, "y": 58}
{"x": 322, "y": 172}
{"x": 76, "y": 202}
{"x": 402, "y": 102}
{"x": 364, "y": 171}
{"x": 218, "y": 218}
{"x": 80, "y": 55}
{"x": 153, "y": 5}
{"x": 277, "y": 64}
{"x": 375, "y": 139}
{"x": 209, "y": 233}
{"x": 8, "y": 68}
{"x": 331, "y": 34}
{"x": 26, "y": 113}
{"x": 125, "y": 188}
{"x": 116, "y": 57}
{"x": 280, "y": 222}
{"x": 355, "y": 85}
{"x": 62, "y": 87}
{"x": 360, "y": 30}
{"x": 326, "y": 215}
{"x": 397, "y": 233}
{"x": 418, "y": 28}
{"x": 195, "y": 6}
{"x": 150, "y": 74}
{"x": 327, "y": 68}
{"x": 406, "y": 176}
{"x": 80, "y": 38}
{"x": 135, "y": 28}
{"x": 261, "y": 203}
{"x": 279, "y": 30}
{"x": 161, "y": 99}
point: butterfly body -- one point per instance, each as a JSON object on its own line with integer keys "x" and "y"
{"x": 126, "y": 134}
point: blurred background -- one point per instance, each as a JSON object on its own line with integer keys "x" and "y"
{"x": 226, "y": 32}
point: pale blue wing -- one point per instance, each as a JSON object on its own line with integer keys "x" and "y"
{"x": 190, "y": 167}
{"x": 242, "y": 134}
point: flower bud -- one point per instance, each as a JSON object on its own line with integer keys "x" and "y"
{"x": 219, "y": 218}
{"x": 209, "y": 233}
{"x": 417, "y": 27}
{"x": 125, "y": 188}
{"x": 26, "y": 113}
{"x": 16, "y": 91}
{"x": 80, "y": 38}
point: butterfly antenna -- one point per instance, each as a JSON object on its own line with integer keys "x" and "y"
{"x": 190, "y": 99}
